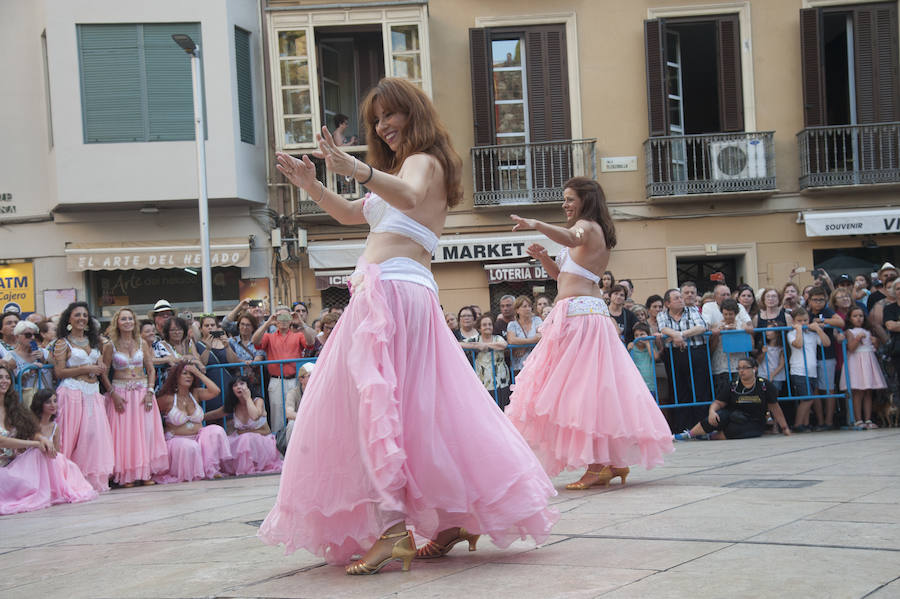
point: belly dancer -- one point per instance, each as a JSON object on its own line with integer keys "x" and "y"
{"x": 580, "y": 401}
{"x": 395, "y": 429}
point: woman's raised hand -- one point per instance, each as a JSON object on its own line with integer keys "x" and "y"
{"x": 536, "y": 251}
{"x": 337, "y": 160}
{"x": 523, "y": 224}
{"x": 301, "y": 173}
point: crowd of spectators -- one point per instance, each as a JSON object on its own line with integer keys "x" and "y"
{"x": 689, "y": 347}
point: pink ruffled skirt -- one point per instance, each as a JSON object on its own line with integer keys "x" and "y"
{"x": 395, "y": 425}
{"x": 84, "y": 435}
{"x": 193, "y": 457}
{"x": 32, "y": 481}
{"x": 865, "y": 372}
{"x": 139, "y": 444}
{"x": 580, "y": 399}
{"x": 253, "y": 453}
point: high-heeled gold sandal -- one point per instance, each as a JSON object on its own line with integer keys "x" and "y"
{"x": 404, "y": 549}
{"x": 620, "y": 472}
{"x": 604, "y": 475}
{"x": 433, "y": 549}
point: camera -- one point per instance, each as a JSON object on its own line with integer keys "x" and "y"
{"x": 254, "y": 303}
{"x": 216, "y": 333}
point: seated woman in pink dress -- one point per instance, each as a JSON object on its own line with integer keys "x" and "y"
{"x": 252, "y": 443}
{"x": 580, "y": 401}
{"x": 84, "y": 427}
{"x": 195, "y": 451}
{"x": 139, "y": 445}
{"x": 395, "y": 427}
{"x": 33, "y": 475}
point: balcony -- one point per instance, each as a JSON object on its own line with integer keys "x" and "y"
{"x": 529, "y": 173}
{"x": 306, "y": 206}
{"x": 849, "y": 155}
{"x": 710, "y": 164}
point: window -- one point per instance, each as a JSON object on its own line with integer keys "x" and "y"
{"x": 244, "y": 84}
{"x": 320, "y": 72}
{"x": 136, "y": 82}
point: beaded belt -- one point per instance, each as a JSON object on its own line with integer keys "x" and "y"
{"x": 582, "y": 305}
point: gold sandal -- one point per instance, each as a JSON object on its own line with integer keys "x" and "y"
{"x": 620, "y": 472}
{"x": 604, "y": 475}
{"x": 433, "y": 549}
{"x": 404, "y": 549}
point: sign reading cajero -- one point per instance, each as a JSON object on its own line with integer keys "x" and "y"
{"x": 17, "y": 286}
{"x": 154, "y": 255}
{"x": 6, "y": 204}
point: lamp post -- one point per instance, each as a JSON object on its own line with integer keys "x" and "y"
{"x": 188, "y": 45}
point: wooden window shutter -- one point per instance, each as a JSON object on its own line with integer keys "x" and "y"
{"x": 875, "y": 49}
{"x": 731, "y": 91}
{"x": 548, "y": 83}
{"x": 813, "y": 75}
{"x": 654, "y": 43}
{"x": 482, "y": 98}
{"x": 170, "y": 88}
{"x": 242, "y": 61}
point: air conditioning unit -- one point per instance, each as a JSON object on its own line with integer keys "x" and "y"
{"x": 738, "y": 159}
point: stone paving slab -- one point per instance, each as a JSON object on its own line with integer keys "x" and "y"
{"x": 719, "y": 519}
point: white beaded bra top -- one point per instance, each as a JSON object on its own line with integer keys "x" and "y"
{"x": 384, "y": 218}
{"x": 566, "y": 264}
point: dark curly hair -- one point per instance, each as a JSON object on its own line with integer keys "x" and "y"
{"x": 92, "y": 332}
{"x": 171, "y": 384}
{"x": 41, "y": 396}
{"x": 231, "y": 398}
{"x": 18, "y": 418}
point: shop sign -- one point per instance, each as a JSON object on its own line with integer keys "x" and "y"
{"x": 153, "y": 256}
{"x": 855, "y": 222}
{"x": 499, "y": 273}
{"x": 6, "y": 204}
{"x": 467, "y": 251}
{"x": 324, "y": 281}
{"x": 17, "y": 286}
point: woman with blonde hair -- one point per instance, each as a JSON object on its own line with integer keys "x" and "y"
{"x": 139, "y": 445}
{"x": 392, "y": 391}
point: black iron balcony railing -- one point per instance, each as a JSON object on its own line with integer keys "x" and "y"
{"x": 849, "y": 155}
{"x": 529, "y": 173}
{"x": 351, "y": 190}
{"x": 718, "y": 163}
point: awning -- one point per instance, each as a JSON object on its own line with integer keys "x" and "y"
{"x": 852, "y": 222}
{"x": 516, "y": 271}
{"x": 153, "y": 255}
{"x": 451, "y": 248}
{"x": 332, "y": 278}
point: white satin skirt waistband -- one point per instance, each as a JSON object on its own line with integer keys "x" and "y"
{"x": 407, "y": 269}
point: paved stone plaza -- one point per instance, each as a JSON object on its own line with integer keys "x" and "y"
{"x": 814, "y": 515}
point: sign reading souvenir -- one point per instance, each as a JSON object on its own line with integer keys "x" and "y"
{"x": 499, "y": 273}
{"x": 17, "y": 287}
{"x": 852, "y": 222}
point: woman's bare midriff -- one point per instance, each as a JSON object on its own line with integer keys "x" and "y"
{"x": 571, "y": 285}
{"x": 384, "y": 246}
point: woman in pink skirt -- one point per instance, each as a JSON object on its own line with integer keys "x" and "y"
{"x": 84, "y": 428}
{"x": 394, "y": 427}
{"x": 33, "y": 475}
{"x": 139, "y": 445}
{"x": 252, "y": 443}
{"x": 580, "y": 401}
{"x": 195, "y": 451}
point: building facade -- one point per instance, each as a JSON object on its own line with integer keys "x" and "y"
{"x": 99, "y": 171}
{"x": 748, "y": 138}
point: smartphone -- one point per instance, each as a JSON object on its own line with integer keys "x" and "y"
{"x": 34, "y": 345}
{"x": 216, "y": 333}
{"x": 254, "y": 303}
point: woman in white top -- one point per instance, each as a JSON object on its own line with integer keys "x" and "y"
{"x": 580, "y": 400}
{"x": 392, "y": 390}
{"x": 523, "y": 330}
{"x": 84, "y": 427}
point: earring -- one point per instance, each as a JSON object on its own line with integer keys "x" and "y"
{"x": 68, "y": 327}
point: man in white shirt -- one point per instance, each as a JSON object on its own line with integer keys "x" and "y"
{"x": 712, "y": 311}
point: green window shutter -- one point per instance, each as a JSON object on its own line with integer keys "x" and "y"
{"x": 112, "y": 88}
{"x": 244, "y": 84}
{"x": 170, "y": 99}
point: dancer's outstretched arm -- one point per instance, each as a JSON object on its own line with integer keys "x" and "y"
{"x": 572, "y": 237}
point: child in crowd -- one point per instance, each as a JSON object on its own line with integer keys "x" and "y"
{"x": 773, "y": 354}
{"x": 644, "y": 353}
{"x": 804, "y": 363}
{"x": 864, "y": 370}
{"x": 724, "y": 367}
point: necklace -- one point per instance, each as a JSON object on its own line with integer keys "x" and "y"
{"x": 82, "y": 341}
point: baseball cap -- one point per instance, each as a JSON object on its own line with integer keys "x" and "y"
{"x": 163, "y": 306}
{"x": 844, "y": 279}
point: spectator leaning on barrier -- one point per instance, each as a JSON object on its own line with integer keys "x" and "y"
{"x": 524, "y": 330}
{"x": 790, "y": 297}
{"x": 283, "y": 344}
{"x": 687, "y": 359}
{"x": 689, "y": 294}
{"x": 490, "y": 361}
{"x": 724, "y": 364}
{"x": 827, "y": 368}
{"x": 804, "y": 364}
{"x": 506, "y": 316}
{"x": 891, "y": 312}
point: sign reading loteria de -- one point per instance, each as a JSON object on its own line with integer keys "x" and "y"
{"x": 17, "y": 287}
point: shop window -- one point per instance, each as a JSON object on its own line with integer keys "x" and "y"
{"x": 322, "y": 72}
{"x": 335, "y": 297}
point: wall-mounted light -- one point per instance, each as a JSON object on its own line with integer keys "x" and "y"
{"x": 191, "y": 271}
{"x": 149, "y": 210}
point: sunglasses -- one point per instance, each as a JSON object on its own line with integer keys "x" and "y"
{"x": 28, "y": 335}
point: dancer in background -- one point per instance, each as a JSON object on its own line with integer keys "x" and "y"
{"x": 580, "y": 401}
{"x": 394, "y": 427}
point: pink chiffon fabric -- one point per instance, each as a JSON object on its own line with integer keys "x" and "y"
{"x": 139, "y": 444}
{"x": 395, "y": 425}
{"x": 580, "y": 399}
{"x": 33, "y": 481}
{"x": 253, "y": 453}
{"x": 194, "y": 457}
{"x": 84, "y": 434}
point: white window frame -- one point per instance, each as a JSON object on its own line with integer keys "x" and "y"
{"x": 743, "y": 11}
{"x": 308, "y": 20}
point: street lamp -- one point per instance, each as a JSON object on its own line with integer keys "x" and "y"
{"x": 187, "y": 44}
